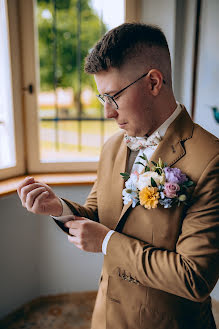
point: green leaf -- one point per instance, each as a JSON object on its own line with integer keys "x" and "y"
{"x": 154, "y": 163}
{"x": 125, "y": 175}
{"x": 144, "y": 157}
{"x": 140, "y": 163}
{"x": 153, "y": 183}
{"x": 188, "y": 183}
{"x": 147, "y": 169}
{"x": 159, "y": 171}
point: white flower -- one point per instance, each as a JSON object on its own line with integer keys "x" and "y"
{"x": 130, "y": 191}
{"x": 144, "y": 180}
{"x": 129, "y": 195}
{"x": 126, "y": 196}
{"x": 132, "y": 182}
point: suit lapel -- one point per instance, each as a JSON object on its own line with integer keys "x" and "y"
{"x": 117, "y": 183}
{"x": 171, "y": 148}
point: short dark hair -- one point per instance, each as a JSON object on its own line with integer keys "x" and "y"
{"x": 124, "y": 42}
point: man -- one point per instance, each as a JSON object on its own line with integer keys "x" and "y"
{"x": 160, "y": 265}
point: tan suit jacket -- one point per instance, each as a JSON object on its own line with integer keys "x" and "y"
{"x": 161, "y": 264}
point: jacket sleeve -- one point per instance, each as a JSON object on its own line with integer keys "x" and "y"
{"x": 192, "y": 270}
{"x": 89, "y": 210}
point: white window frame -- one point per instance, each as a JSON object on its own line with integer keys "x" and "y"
{"x": 14, "y": 59}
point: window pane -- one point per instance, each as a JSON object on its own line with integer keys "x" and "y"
{"x": 7, "y": 147}
{"x": 71, "y": 122}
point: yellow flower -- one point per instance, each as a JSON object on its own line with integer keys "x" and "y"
{"x": 149, "y": 197}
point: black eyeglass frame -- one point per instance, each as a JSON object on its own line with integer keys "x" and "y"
{"x": 102, "y": 100}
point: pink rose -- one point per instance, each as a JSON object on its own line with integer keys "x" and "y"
{"x": 170, "y": 189}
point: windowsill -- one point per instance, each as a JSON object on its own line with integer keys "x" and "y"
{"x": 9, "y": 186}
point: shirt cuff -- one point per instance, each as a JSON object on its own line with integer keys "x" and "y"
{"x": 66, "y": 211}
{"x": 106, "y": 240}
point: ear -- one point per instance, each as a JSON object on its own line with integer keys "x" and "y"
{"x": 155, "y": 81}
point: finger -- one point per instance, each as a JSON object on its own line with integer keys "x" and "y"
{"x": 37, "y": 205}
{"x": 26, "y": 181}
{"x": 77, "y": 243}
{"x": 27, "y": 189}
{"x": 74, "y": 232}
{"x": 69, "y": 221}
{"x": 45, "y": 185}
{"x": 79, "y": 218}
{"x": 79, "y": 223}
{"x": 73, "y": 239}
{"x": 31, "y": 196}
{"x": 74, "y": 224}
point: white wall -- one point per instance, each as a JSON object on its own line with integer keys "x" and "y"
{"x": 208, "y": 67}
{"x": 177, "y": 20}
{"x": 63, "y": 267}
{"x": 36, "y": 257}
{"x": 161, "y": 13}
{"x": 186, "y": 17}
{"x": 19, "y": 256}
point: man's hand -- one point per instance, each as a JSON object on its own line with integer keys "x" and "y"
{"x": 39, "y": 198}
{"x": 86, "y": 234}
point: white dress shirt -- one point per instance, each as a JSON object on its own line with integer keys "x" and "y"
{"x": 136, "y": 167}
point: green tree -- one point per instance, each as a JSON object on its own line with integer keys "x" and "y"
{"x": 58, "y": 43}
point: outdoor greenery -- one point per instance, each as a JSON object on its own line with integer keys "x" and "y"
{"x": 67, "y": 30}
{"x": 58, "y": 41}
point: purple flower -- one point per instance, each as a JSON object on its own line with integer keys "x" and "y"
{"x": 174, "y": 175}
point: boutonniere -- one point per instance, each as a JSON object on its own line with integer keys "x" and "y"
{"x": 158, "y": 184}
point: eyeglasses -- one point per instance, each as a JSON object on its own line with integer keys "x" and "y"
{"x": 105, "y": 98}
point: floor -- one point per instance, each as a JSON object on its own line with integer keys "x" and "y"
{"x": 65, "y": 311}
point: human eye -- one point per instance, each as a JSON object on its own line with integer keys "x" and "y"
{"x": 109, "y": 99}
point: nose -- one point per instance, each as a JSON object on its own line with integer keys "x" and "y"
{"x": 109, "y": 111}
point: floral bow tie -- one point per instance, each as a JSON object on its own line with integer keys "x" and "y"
{"x": 138, "y": 143}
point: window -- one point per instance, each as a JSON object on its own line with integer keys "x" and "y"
{"x": 72, "y": 125}
{"x": 50, "y": 120}
{"x": 7, "y": 145}
{"x": 11, "y": 161}
{"x": 66, "y": 123}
